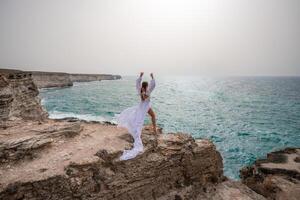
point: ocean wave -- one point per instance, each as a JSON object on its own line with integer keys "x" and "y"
{"x": 87, "y": 117}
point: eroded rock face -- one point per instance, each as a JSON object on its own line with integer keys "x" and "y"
{"x": 19, "y": 97}
{"x": 6, "y": 98}
{"x": 230, "y": 190}
{"x": 17, "y": 148}
{"x": 170, "y": 162}
{"x": 277, "y": 176}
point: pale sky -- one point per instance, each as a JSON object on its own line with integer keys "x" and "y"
{"x": 177, "y": 37}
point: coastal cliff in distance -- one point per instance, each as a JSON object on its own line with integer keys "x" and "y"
{"x": 93, "y": 77}
{"x": 61, "y": 79}
{"x": 58, "y": 79}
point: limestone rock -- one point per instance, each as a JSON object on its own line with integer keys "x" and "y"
{"x": 230, "y": 190}
{"x": 19, "y": 97}
{"x": 226, "y": 190}
{"x": 6, "y": 98}
{"x": 70, "y": 170}
{"x": 277, "y": 176}
{"x": 30, "y": 145}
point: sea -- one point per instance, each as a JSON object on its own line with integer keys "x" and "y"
{"x": 245, "y": 117}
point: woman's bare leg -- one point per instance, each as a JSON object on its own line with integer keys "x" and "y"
{"x": 153, "y": 119}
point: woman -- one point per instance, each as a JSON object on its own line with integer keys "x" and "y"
{"x": 133, "y": 118}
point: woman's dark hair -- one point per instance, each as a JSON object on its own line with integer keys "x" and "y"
{"x": 144, "y": 87}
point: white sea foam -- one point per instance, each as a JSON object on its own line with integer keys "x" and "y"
{"x": 87, "y": 117}
{"x": 43, "y": 102}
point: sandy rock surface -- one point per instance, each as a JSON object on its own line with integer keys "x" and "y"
{"x": 80, "y": 159}
{"x": 277, "y": 176}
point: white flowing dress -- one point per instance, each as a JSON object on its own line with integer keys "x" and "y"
{"x": 133, "y": 120}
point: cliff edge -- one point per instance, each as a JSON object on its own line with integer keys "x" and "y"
{"x": 68, "y": 160}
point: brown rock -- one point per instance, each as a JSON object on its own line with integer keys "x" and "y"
{"x": 277, "y": 176}
{"x": 18, "y": 147}
{"x": 6, "y": 98}
{"x": 169, "y": 162}
{"x": 227, "y": 190}
{"x": 231, "y": 190}
{"x": 19, "y": 97}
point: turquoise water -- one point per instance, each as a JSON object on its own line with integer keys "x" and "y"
{"x": 246, "y": 117}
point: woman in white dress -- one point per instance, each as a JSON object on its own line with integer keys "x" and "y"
{"x": 133, "y": 118}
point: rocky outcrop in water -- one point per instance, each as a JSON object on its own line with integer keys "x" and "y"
{"x": 19, "y": 97}
{"x": 277, "y": 176}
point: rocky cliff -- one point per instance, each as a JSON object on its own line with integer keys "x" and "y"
{"x": 19, "y": 97}
{"x": 42, "y": 158}
{"x": 69, "y": 160}
{"x": 61, "y": 159}
{"x": 277, "y": 176}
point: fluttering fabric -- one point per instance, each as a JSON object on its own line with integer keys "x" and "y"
{"x": 133, "y": 120}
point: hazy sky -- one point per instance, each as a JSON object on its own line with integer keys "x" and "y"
{"x": 196, "y": 37}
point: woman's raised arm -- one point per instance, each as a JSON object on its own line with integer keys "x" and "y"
{"x": 152, "y": 83}
{"x": 138, "y": 82}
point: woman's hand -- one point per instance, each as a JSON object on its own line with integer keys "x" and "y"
{"x": 141, "y": 74}
{"x": 152, "y": 75}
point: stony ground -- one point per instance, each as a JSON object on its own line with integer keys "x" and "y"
{"x": 71, "y": 159}
{"x": 34, "y": 151}
{"x": 277, "y": 176}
